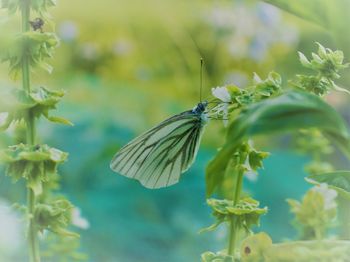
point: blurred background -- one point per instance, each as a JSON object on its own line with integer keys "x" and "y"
{"x": 126, "y": 66}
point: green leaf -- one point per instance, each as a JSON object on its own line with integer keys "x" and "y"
{"x": 256, "y": 158}
{"x": 303, "y": 60}
{"x": 60, "y": 120}
{"x": 338, "y": 180}
{"x": 39, "y": 102}
{"x": 327, "y": 64}
{"x": 268, "y": 87}
{"x": 313, "y": 84}
{"x": 216, "y": 257}
{"x": 246, "y": 212}
{"x": 289, "y": 112}
{"x": 47, "y": 100}
{"x": 33, "y": 163}
{"x": 46, "y": 97}
{"x": 14, "y": 99}
{"x": 35, "y": 46}
{"x": 55, "y": 216}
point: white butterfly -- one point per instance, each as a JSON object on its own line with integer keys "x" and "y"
{"x": 159, "y": 156}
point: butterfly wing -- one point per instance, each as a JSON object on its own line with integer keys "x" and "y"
{"x": 158, "y": 157}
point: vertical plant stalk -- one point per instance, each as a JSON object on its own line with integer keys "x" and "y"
{"x": 33, "y": 244}
{"x": 233, "y": 225}
{"x": 344, "y": 217}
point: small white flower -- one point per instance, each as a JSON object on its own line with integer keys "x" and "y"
{"x": 328, "y": 194}
{"x": 221, "y": 93}
{"x": 122, "y": 47}
{"x": 251, "y": 175}
{"x": 78, "y": 220}
{"x": 89, "y": 51}
{"x": 3, "y": 117}
{"x": 68, "y": 31}
{"x": 256, "y": 78}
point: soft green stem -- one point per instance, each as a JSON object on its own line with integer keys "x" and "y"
{"x": 33, "y": 243}
{"x": 233, "y": 224}
{"x": 238, "y": 190}
{"x": 344, "y": 217}
{"x": 232, "y": 238}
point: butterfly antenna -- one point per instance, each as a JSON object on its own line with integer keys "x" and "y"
{"x": 201, "y": 80}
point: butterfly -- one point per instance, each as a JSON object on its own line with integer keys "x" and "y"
{"x": 158, "y": 157}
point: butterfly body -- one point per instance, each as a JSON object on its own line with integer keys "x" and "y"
{"x": 158, "y": 157}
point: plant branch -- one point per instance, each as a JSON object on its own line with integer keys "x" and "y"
{"x": 33, "y": 244}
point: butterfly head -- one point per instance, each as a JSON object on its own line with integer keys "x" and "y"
{"x": 200, "y": 108}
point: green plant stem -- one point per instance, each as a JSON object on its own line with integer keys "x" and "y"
{"x": 33, "y": 243}
{"x": 233, "y": 224}
{"x": 344, "y": 217}
{"x": 232, "y": 238}
{"x": 34, "y": 254}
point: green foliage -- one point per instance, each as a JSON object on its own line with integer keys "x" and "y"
{"x": 289, "y": 112}
{"x": 266, "y": 108}
{"x": 268, "y": 87}
{"x": 327, "y": 64}
{"x": 315, "y": 144}
{"x": 37, "y": 164}
{"x": 254, "y": 246}
{"x": 35, "y": 46}
{"x": 44, "y": 101}
{"x": 62, "y": 249}
{"x": 38, "y": 102}
{"x": 261, "y": 89}
{"x": 33, "y": 163}
{"x": 245, "y": 158}
{"x": 318, "y": 167}
{"x": 55, "y": 216}
{"x": 216, "y": 257}
{"x": 240, "y": 97}
{"x": 338, "y": 180}
{"x": 256, "y": 159}
{"x": 316, "y": 213}
{"x": 259, "y": 248}
{"x": 313, "y": 84}
{"x": 245, "y": 213}
{"x": 308, "y": 251}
